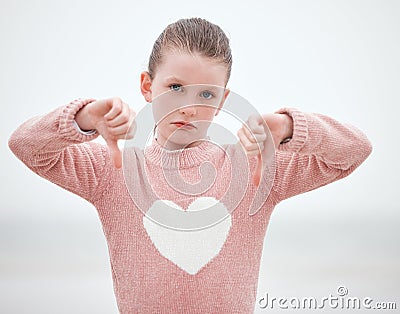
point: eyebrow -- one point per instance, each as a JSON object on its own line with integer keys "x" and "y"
{"x": 174, "y": 79}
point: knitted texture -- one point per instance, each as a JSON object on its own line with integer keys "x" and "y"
{"x": 161, "y": 270}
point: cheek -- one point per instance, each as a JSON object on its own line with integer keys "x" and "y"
{"x": 163, "y": 125}
{"x": 206, "y": 113}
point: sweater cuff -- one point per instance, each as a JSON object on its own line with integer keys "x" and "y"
{"x": 300, "y": 130}
{"x": 90, "y": 132}
{"x": 67, "y": 124}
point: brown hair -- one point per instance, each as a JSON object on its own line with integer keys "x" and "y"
{"x": 193, "y": 35}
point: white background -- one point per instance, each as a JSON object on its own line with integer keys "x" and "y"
{"x": 339, "y": 58}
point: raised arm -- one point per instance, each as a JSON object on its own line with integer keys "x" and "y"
{"x": 321, "y": 150}
{"x": 53, "y": 146}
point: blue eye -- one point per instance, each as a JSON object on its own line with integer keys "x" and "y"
{"x": 207, "y": 95}
{"x": 176, "y": 87}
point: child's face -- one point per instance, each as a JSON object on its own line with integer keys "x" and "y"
{"x": 173, "y": 101}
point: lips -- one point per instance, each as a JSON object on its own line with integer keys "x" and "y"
{"x": 183, "y": 124}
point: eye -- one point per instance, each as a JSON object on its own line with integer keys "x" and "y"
{"x": 207, "y": 95}
{"x": 176, "y": 87}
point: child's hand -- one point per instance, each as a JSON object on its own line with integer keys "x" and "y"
{"x": 252, "y": 140}
{"x": 252, "y": 136}
{"x": 257, "y": 142}
{"x": 113, "y": 119}
{"x": 280, "y": 126}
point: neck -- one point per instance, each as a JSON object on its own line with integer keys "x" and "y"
{"x": 181, "y": 158}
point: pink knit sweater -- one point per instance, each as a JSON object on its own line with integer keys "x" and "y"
{"x": 161, "y": 270}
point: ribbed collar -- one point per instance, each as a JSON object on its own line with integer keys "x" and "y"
{"x": 180, "y": 158}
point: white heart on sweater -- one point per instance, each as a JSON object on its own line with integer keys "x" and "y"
{"x": 188, "y": 249}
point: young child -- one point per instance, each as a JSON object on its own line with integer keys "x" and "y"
{"x": 157, "y": 269}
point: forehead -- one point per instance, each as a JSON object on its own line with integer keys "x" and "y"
{"x": 186, "y": 69}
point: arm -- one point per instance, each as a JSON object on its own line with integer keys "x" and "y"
{"x": 321, "y": 151}
{"x": 52, "y": 147}
{"x": 312, "y": 150}
{"x": 261, "y": 136}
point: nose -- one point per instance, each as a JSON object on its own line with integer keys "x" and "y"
{"x": 188, "y": 110}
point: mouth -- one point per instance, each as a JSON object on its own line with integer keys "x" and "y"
{"x": 183, "y": 124}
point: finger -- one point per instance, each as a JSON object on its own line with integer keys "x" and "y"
{"x": 251, "y": 153}
{"x": 115, "y": 153}
{"x": 126, "y": 130}
{"x": 254, "y": 123}
{"x": 254, "y": 137}
{"x": 119, "y": 131}
{"x": 249, "y": 139}
{"x": 265, "y": 158}
{"x": 132, "y": 130}
{"x": 115, "y": 110}
{"x": 120, "y": 119}
{"x": 123, "y": 117}
{"x": 257, "y": 172}
{"x": 255, "y": 150}
{"x": 247, "y": 143}
{"x": 244, "y": 140}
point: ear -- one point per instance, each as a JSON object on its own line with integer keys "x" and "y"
{"x": 145, "y": 86}
{"x": 226, "y": 94}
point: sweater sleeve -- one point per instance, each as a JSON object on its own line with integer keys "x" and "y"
{"x": 52, "y": 147}
{"x": 321, "y": 151}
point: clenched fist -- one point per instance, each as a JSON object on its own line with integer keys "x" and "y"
{"x": 113, "y": 119}
{"x": 255, "y": 139}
